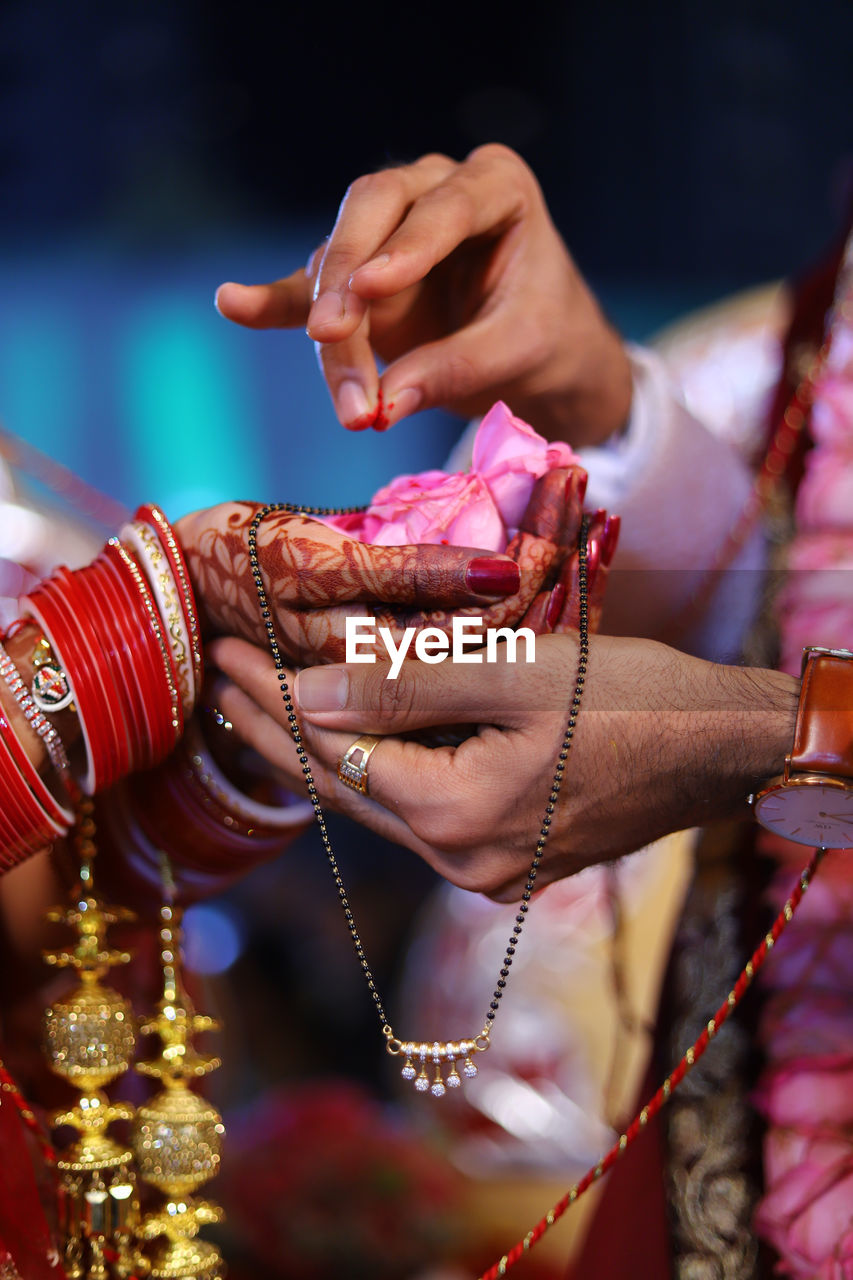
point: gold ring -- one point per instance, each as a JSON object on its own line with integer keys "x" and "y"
{"x": 352, "y": 766}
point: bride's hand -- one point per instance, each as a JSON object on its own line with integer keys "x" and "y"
{"x": 315, "y": 576}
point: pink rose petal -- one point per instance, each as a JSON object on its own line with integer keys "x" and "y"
{"x": 479, "y": 509}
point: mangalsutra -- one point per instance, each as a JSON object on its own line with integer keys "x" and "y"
{"x": 425, "y": 1061}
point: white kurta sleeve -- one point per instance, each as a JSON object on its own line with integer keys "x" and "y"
{"x": 679, "y": 489}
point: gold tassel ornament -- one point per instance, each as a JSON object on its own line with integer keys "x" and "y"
{"x": 177, "y": 1136}
{"x": 90, "y": 1036}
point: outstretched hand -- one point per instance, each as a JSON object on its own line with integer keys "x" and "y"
{"x": 455, "y": 277}
{"x": 315, "y": 576}
{"x": 663, "y": 741}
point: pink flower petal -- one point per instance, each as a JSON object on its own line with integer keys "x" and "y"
{"x": 479, "y": 509}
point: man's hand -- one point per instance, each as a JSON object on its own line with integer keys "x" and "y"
{"x": 663, "y": 741}
{"x": 454, "y": 276}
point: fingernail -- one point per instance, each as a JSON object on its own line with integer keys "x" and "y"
{"x": 593, "y": 559}
{"x": 486, "y": 577}
{"x": 404, "y": 402}
{"x": 556, "y": 601}
{"x": 224, "y": 285}
{"x": 327, "y": 309}
{"x": 321, "y": 689}
{"x": 576, "y": 483}
{"x": 351, "y": 404}
{"x": 375, "y": 264}
{"x": 609, "y": 538}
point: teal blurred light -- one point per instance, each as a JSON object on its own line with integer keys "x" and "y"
{"x": 188, "y": 408}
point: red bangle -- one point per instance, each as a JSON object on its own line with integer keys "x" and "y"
{"x": 212, "y": 834}
{"x": 155, "y": 707}
{"x": 115, "y": 549}
{"x": 114, "y": 647}
{"x": 152, "y": 515}
{"x": 50, "y": 609}
{"x": 118, "y": 652}
{"x": 60, "y": 817}
{"x": 160, "y": 696}
{"x": 95, "y": 644}
{"x": 27, "y": 824}
{"x": 17, "y": 839}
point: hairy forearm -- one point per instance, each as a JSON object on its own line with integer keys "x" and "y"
{"x": 676, "y": 741}
{"x": 745, "y": 736}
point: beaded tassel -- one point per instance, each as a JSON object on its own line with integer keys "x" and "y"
{"x": 178, "y": 1135}
{"x": 90, "y": 1036}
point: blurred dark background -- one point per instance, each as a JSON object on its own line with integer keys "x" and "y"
{"x": 150, "y": 150}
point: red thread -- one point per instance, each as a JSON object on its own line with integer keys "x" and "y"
{"x": 671, "y": 1083}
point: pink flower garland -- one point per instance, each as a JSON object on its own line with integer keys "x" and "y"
{"x": 806, "y": 1091}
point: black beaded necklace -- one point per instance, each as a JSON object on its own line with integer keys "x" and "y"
{"x": 418, "y": 1054}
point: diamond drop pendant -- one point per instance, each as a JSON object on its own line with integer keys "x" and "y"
{"x": 421, "y": 1056}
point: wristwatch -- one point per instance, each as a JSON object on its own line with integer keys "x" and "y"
{"x": 812, "y": 802}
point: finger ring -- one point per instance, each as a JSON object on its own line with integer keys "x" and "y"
{"x": 352, "y": 766}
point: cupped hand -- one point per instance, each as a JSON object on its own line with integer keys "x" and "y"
{"x": 455, "y": 277}
{"x": 663, "y": 741}
{"x": 316, "y": 577}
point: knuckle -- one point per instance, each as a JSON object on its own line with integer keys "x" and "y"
{"x": 382, "y": 185}
{"x": 459, "y": 375}
{"x": 435, "y": 576}
{"x": 497, "y": 153}
{"x": 458, "y": 202}
{"x": 433, "y": 160}
{"x": 393, "y": 700}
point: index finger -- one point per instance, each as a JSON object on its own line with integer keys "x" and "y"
{"x": 370, "y": 212}
{"x": 482, "y": 196}
{"x": 311, "y": 565}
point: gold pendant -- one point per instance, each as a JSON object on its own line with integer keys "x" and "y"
{"x": 425, "y": 1058}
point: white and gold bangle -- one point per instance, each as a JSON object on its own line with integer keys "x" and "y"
{"x": 143, "y": 538}
{"x": 151, "y": 514}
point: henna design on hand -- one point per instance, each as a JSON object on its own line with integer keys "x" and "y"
{"x": 316, "y": 576}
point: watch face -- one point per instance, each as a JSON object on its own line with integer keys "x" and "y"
{"x": 810, "y": 810}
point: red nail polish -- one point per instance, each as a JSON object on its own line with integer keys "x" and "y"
{"x": 556, "y": 601}
{"x": 610, "y": 538}
{"x": 487, "y": 577}
{"x": 576, "y": 485}
{"x": 593, "y": 559}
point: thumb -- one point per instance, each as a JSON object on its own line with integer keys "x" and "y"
{"x": 284, "y": 304}
{"x": 508, "y": 691}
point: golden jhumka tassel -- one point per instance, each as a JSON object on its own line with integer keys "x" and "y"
{"x": 89, "y": 1041}
{"x": 177, "y": 1135}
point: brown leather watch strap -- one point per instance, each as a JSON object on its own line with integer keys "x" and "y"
{"x": 823, "y": 737}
